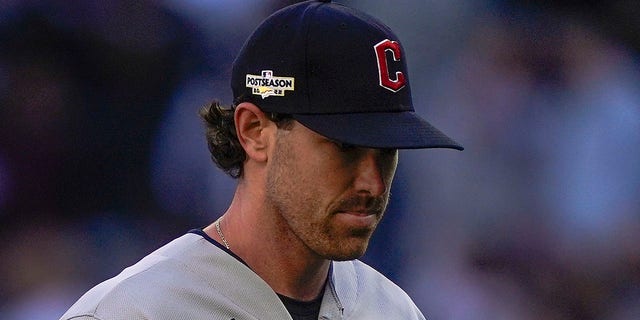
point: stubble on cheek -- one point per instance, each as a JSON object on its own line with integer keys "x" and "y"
{"x": 308, "y": 216}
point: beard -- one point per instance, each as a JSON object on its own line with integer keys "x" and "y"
{"x": 302, "y": 199}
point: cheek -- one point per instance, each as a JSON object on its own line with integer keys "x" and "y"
{"x": 303, "y": 177}
{"x": 323, "y": 180}
{"x": 333, "y": 177}
{"x": 326, "y": 169}
{"x": 390, "y": 169}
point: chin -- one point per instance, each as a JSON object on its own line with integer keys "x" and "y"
{"x": 347, "y": 253}
{"x": 346, "y": 257}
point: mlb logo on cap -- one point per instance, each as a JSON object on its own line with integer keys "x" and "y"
{"x": 266, "y": 84}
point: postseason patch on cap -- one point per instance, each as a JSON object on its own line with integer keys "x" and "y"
{"x": 266, "y": 84}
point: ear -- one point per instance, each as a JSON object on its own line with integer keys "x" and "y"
{"x": 254, "y": 130}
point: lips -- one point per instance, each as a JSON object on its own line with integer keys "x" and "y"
{"x": 357, "y": 219}
{"x": 360, "y": 213}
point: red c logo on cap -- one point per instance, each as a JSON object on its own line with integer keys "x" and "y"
{"x": 383, "y": 68}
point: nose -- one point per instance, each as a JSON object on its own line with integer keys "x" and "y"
{"x": 375, "y": 171}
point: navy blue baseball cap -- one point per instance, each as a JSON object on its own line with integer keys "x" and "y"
{"x": 339, "y": 72}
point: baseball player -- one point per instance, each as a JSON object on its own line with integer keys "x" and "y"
{"x": 322, "y": 104}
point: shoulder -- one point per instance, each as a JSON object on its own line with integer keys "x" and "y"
{"x": 160, "y": 281}
{"x": 189, "y": 278}
{"x": 366, "y": 293}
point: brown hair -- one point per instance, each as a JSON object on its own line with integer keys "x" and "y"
{"x": 225, "y": 148}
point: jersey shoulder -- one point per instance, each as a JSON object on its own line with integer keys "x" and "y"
{"x": 186, "y": 279}
{"x": 367, "y": 294}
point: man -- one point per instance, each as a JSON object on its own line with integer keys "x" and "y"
{"x": 322, "y": 103}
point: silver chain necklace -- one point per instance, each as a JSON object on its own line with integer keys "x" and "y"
{"x": 224, "y": 241}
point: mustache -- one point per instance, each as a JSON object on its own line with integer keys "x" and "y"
{"x": 375, "y": 205}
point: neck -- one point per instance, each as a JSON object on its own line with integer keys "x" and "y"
{"x": 256, "y": 235}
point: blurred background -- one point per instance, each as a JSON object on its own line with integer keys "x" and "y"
{"x": 103, "y": 159}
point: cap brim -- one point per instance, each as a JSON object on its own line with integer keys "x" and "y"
{"x": 395, "y": 130}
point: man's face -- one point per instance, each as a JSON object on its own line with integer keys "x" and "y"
{"x": 330, "y": 197}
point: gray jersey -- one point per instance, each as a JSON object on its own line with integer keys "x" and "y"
{"x": 190, "y": 278}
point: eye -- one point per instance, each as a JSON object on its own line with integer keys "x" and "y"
{"x": 344, "y": 147}
{"x": 347, "y": 147}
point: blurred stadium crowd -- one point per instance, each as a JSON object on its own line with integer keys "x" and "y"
{"x": 102, "y": 155}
